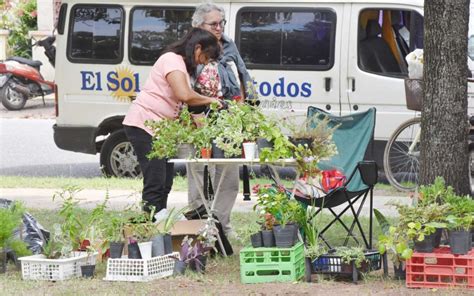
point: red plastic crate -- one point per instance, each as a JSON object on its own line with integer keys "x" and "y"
{"x": 440, "y": 269}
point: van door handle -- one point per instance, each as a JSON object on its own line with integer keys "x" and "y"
{"x": 327, "y": 84}
{"x": 352, "y": 84}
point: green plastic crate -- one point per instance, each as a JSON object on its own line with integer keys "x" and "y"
{"x": 266, "y": 265}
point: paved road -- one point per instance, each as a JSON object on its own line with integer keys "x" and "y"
{"x": 27, "y": 147}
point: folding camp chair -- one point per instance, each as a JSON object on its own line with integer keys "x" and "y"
{"x": 352, "y": 138}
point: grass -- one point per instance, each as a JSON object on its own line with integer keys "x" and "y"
{"x": 222, "y": 276}
{"x": 102, "y": 183}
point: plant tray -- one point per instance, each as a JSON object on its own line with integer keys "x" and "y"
{"x": 38, "y": 267}
{"x": 440, "y": 269}
{"x": 333, "y": 264}
{"x": 140, "y": 270}
{"x": 265, "y": 265}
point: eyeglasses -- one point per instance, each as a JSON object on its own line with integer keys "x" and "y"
{"x": 215, "y": 24}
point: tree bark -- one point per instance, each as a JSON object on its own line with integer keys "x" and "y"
{"x": 444, "y": 121}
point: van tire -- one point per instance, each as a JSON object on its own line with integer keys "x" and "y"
{"x": 17, "y": 102}
{"x": 117, "y": 157}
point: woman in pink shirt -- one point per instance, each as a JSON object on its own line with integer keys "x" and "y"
{"x": 167, "y": 88}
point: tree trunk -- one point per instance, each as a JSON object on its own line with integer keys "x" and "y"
{"x": 444, "y": 122}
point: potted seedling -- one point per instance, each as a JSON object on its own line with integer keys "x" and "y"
{"x": 268, "y": 237}
{"x": 184, "y": 253}
{"x": 460, "y": 220}
{"x": 95, "y": 247}
{"x": 352, "y": 257}
{"x": 250, "y": 232}
{"x": 165, "y": 226}
{"x": 114, "y": 234}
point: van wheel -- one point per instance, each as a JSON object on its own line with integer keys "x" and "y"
{"x": 117, "y": 157}
{"x": 11, "y": 99}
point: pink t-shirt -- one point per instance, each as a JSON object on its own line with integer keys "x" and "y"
{"x": 156, "y": 100}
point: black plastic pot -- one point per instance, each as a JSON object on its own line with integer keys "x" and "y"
{"x": 425, "y": 246}
{"x": 179, "y": 267}
{"x": 460, "y": 241}
{"x": 134, "y": 251}
{"x": 399, "y": 271}
{"x": 263, "y": 143}
{"x": 437, "y": 238}
{"x": 268, "y": 238}
{"x": 3, "y": 261}
{"x": 217, "y": 152}
{"x": 284, "y": 236}
{"x": 157, "y": 246}
{"x": 87, "y": 270}
{"x": 116, "y": 249}
{"x": 168, "y": 243}
{"x": 256, "y": 240}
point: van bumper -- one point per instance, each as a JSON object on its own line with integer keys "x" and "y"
{"x": 77, "y": 139}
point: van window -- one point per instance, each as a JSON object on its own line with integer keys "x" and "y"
{"x": 385, "y": 38}
{"x": 285, "y": 38}
{"x": 95, "y": 34}
{"x": 152, "y": 29}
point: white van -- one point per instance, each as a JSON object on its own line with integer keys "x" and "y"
{"x": 341, "y": 56}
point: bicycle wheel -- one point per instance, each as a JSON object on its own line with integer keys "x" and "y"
{"x": 401, "y": 156}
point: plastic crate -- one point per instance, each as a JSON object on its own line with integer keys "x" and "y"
{"x": 140, "y": 270}
{"x": 414, "y": 94}
{"x": 265, "y": 265}
{"x": 333, "y": 264}
{"x": 440, "y": 269}
{"x": 38, "y": 267}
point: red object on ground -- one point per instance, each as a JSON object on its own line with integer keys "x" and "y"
{"x": 440, "y": 269}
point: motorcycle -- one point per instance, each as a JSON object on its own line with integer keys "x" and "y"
{"x": 21, "y": 80}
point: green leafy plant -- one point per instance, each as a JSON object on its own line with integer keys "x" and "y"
{"x": 461, "y": 212}
{"x": 71, "y": 225}
{"x": 19, "y": 20}
{"x": 169, "y": 133}
{"x": 351, "y": 254}
{"x": 114, "y": 228}
{"x": 11, "y": 219}
{"x": 245, "y": 232}
{"x": 174, "y": 215}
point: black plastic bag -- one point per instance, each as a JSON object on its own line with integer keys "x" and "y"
{"x": 31, "y": 232}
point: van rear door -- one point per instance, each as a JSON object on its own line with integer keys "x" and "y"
{"x": 376, "y": 65}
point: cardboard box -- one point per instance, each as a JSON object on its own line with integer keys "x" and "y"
{"x": 184, "y": 228}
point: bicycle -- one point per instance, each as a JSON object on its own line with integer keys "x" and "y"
{"x": 402, "y": 152}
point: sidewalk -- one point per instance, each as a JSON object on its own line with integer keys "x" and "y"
{"x": 119, "y": 199}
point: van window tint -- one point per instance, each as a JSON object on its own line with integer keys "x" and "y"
{"x": 286, "y": 38}
{"x": 385, "y": 38}
{"x": 152, "y": 29}
{"x": 96, "y": 34}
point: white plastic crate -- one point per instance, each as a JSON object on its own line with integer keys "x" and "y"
{"x": 140, "y": 270}
{"x": 38, "y": 267}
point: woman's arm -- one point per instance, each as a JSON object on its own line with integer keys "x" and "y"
{"x": 180, "y": 86}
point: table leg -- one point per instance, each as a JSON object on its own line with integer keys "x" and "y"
{"x": 210, "y": 211}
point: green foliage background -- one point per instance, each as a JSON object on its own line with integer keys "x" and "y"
{"x": 19, "y": 17}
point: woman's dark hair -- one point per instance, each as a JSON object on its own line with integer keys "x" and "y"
{"x": 186, "y": 46}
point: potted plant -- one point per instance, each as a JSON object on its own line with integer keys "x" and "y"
{"x": 351, "y": 257}
{"x": 395, "y": 244}
{"x": 71, "y": 224}
{"x": 460, "y": 220}
{"x": 96, "y": 244}
{"x": 171, "y": 135}
{"x": 250, "y": 232}
{"x": 203, "y": 136}
{"x": 165, "y": 226}
{"x": 268, "y": 238}
{"x": 10, "y": 219}
{"x": 276, "y": 145}
{"x": 114, "y": 234}
{"x": 420, "y": 222}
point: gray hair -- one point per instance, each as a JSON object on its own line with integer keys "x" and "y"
{"x": 202, "y": 10}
